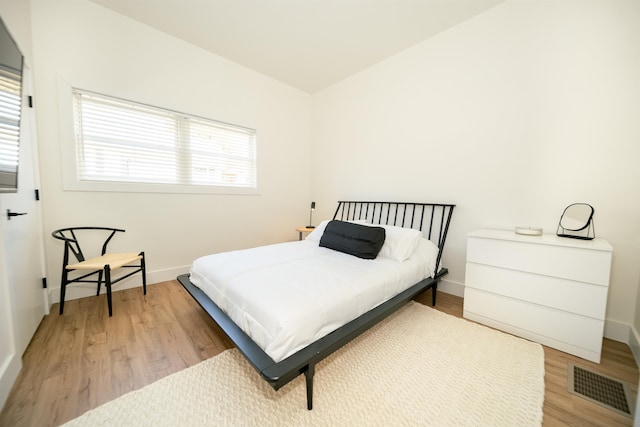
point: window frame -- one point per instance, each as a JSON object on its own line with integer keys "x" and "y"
{"x": 70, "y": 164}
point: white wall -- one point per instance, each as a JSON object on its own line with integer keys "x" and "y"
{"x": 512, "y": 115}
{"x": 93, "y": 48}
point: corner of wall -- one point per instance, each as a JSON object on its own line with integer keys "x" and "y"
{"x": 634, "y": 344}
{"x": 451, "y": 287}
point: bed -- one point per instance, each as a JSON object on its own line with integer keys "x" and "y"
{"x": 273, "y": 325}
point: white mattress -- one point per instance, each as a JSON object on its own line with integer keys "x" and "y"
{"x": 286, "y": 296}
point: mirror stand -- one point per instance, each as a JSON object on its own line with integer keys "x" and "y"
{"x": 576, "y": 222}
{"x": 588, "y": 233}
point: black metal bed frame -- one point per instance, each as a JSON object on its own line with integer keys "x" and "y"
{"x": 402, "y": 214}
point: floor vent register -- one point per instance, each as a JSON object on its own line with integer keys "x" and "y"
{"x": 600, "y": 389}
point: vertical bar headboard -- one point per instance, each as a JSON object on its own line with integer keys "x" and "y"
{"x": 432, "y": 219}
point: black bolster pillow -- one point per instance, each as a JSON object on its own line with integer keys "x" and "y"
{"x": 353, "y": 239}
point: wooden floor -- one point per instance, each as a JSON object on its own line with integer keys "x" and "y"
{"x": 83, "y": 358}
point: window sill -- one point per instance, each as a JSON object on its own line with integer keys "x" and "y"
{"x": 128, "y": 187}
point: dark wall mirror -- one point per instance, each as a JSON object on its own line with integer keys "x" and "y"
{"x": 577, "y": 222}
{"x": 11, "y": 66}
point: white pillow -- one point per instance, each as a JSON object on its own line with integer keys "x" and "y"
{"x": 399, "y": 242}
{"x": 317, "y": 233}
{"x": 429, "y": 250}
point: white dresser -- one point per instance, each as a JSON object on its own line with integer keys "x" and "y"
{"x": 548, "y": 289}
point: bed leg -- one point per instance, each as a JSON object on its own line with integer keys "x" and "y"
{"x": 433, "y": 294}
{"x": 308, "y": 374}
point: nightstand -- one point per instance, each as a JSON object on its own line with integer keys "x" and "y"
{"x": 301, "y": 230}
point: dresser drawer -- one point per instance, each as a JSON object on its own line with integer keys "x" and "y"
{"x": 575, "y": 297}
{"x": 573, "y": 263}
{"x": 577, "y": 330}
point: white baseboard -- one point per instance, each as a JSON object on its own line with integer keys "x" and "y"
{"x": 9, "y": 371}
{"x": 617, "y": 331}
{"x": 634, "y": 345}
{"x": 452, "y": 288}
{"x": 83, "y": 290}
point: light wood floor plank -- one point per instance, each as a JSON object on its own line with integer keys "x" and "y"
{"x": 83, "y": 358}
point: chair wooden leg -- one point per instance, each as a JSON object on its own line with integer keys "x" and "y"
{"x": 107, "y": 284}
{"x": 144, "y": 273}
{"x": 63, "y": 286}
{"x": 99, "y": 283}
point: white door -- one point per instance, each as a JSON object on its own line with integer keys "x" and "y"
{"x": 22, "y": 235}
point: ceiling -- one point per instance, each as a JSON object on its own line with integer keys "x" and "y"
{"x": 307, "y": 44}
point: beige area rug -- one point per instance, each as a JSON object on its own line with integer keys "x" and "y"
{"x": 418, "y": 367}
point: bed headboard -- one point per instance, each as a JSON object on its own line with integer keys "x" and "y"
{"x": 431, "y": 218}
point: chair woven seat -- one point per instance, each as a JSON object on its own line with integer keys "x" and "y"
{"x": 114, "y": 261}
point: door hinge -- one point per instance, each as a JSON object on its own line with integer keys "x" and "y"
{"x": 44, "y": 283}
{"x": 37, "y": 193}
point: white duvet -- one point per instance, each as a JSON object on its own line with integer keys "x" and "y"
{"x": 286, "y": 296}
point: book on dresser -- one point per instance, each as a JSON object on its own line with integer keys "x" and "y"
{"x": 548, "y": 289}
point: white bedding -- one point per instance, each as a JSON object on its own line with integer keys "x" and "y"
{"x": 286, "y": 296}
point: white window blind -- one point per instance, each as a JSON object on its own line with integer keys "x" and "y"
{"x": 10, "y": 106}
{"x": 122, "y": 141}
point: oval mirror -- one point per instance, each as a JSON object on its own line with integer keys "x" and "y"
{"x": 576, "y": 217}
{"x": 577, "y": 222}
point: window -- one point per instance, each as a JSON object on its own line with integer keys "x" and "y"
{"x": 121, "y": 141}
{"x": 10, "y": 106}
